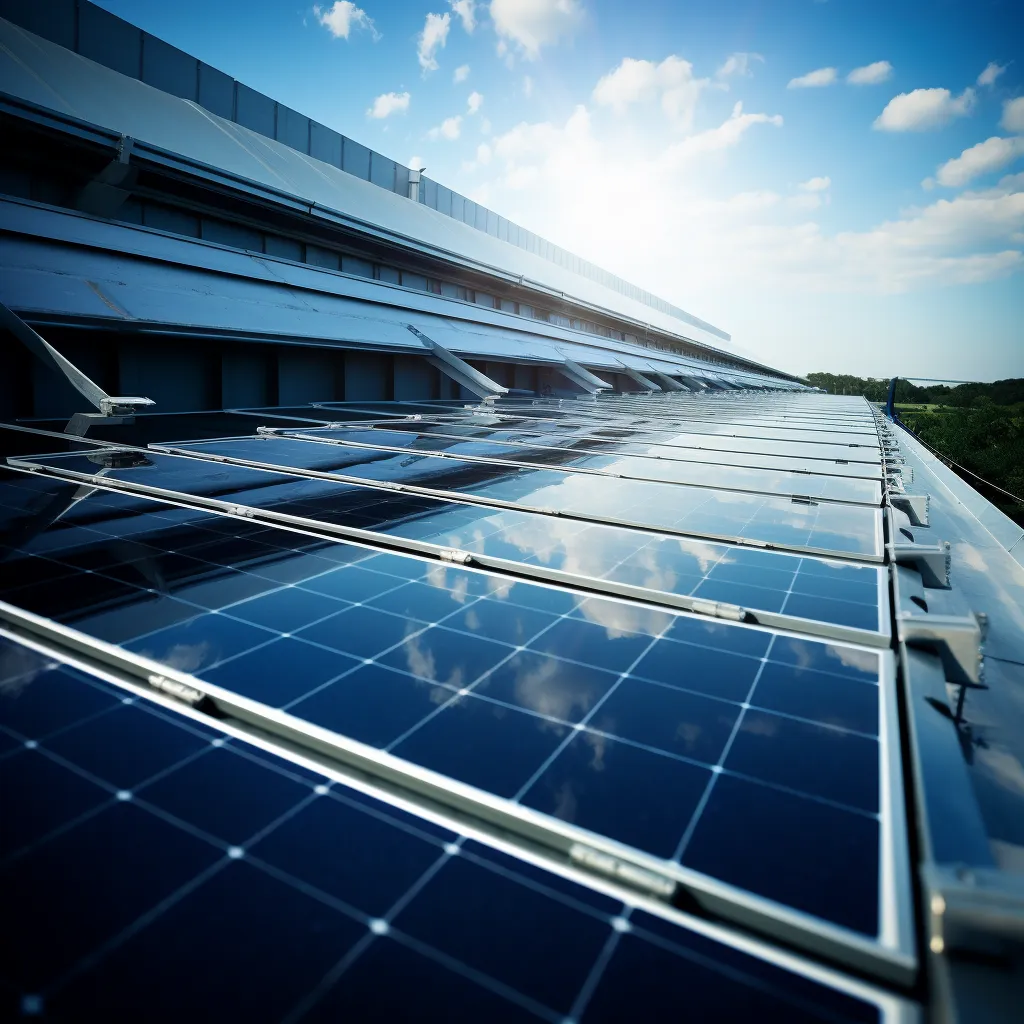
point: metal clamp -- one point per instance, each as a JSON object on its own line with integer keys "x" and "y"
{"x": 974, "y": 910}
{"x": 916, "y": 506}
{"x": 932, "y": 561}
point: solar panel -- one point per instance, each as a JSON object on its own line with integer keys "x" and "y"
{"x": 586, "y": 709}
{"x": 197, "y": 845}
{"x": 797, "y": 523}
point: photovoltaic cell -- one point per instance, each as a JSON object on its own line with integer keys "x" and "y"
{"x": 811, "y": 588}
{"x": 778, "y": 482}
{"x": 805, "y": 524}
{"x": 587, "y": 709}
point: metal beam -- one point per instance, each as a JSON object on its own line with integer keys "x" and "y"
{"x": 111, "y": 410}
{"x": 458, "y": 369}
{"x": 667, "y": 382}
{"x": 643, "y": 381}
{"x": 582, "y": 377}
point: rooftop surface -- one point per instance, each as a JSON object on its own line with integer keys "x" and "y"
{"x": 538, "y": 704}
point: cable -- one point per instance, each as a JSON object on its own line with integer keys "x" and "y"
{"x": 946, "y": 458}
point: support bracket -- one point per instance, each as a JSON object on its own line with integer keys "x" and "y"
{"x": 458, "y": 369}
{"x": 112, "y": 410}
{"x": 581, "y": 376}
{"x": 914, "y": 505}
{"x": 643, "y": 381}
{"x": 932, "y": 561}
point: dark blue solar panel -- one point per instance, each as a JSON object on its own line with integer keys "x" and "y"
{"x": 777, "y": 480}
{"x": 155, "y": 869}
{"x": 816, "y": 526}
{"x": 589, "y": 709}
{"x": 843, "y": 594}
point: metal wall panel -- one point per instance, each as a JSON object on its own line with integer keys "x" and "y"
{"x": 458, "y": 206}
{"x": 354, "y": 265}
{"x": 253, "y": 110}
{"x": 324, "y": 144}
{"x": 167, "y": 218}
{"x": 109, "y": 40}
{"x": 216, "y": 91}
{"x": 177, "y": 377}
{"x": 414, "y": 378}
{"x": 444, "y": 200}
{"x": 368, "y": 376}
{"x": 245, "y": 375}
{"x": 401, "y": 180}
{"x": 292, "y": 128}
{"x": 355, "y": 159}
{"x": 53, "y": 20}
{"x": 382, "y": 171}
{"x": 429, "y": 189}
{"x": 305, "y": 375}
{"x": 167, "y": 68}
{"x": 322, "y": 257}
{"x": 236, "y": 235}
{"x": 284, "y": 248}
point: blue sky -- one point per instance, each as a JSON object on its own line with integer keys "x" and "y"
{"x": 838, "y": 184}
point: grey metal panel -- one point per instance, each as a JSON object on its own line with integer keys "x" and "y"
{"x": 245, "y": 375}
{"x": 503, "y": 229}
{"x": 324, "y": 144}
{"x": 481, "y": 217}
{"x": 168, "y": 68}
{"x": 167, "y": 218}
{"x": 469, "y": 212}
{"x": 109, "y": 40}
{"x": 53, "y": 20}
{"x": 444, "y": 200}
{"x": 254, "y": 111}
{"x": 382, "y": 171}
{"x": 492, "y": 223}
{"x": 322, "y": 258}
{"x": 238, "y": 236}
{"x": 401, "y": 180}
{"x": 175, "y": 377}
{"x": 355, "y": 159}
{"x": 216, "y": 91}
{"x": 367, "y": 376}
{"x": 292, "y": 128}
{"x": 354, "y": 265}
{"x": 304, "y": 376}
{"x": 53, "y": 239}
{"x": 429, "y": 189}
{"x": 283, "y": 248}
{"x": 415, "y": 378}
{"x": 389, "y": 275}
{"x": 458, "y": 206}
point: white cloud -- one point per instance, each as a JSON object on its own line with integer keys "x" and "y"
{"x": 816, "y": 184}
{"x": 871, "y": 74}
{"x": 433, "y": 37}
{"x": 1013, "y": 115}
{"x": 450, "y": 128}
{"x": 991, "y": 73}
{"x": 923, "y": 109}
{"x": 738, "y": 65}
{"x": 389, "y": 103}
{"x": 466, "y": 10}
{"x": 461, "y": 73}
{"x": 813, "y": 79}
{"x": 342, "y": 16}
{"x": 991, "y": 155}
{"x": 725, "y": 136}
{"x": 416, "y": 163}
{"x": 485, "y": 126}
{"x": 636, "y": 81}
{"x": 531, "y": 24}
{"x": 474, "y": 102}
{"x": 527, "y": 86}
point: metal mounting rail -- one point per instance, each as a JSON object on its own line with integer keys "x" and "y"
{"x": 296, "y": 433}
{"x": 639, "y": 876}
{"x": 539, "y": 574}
